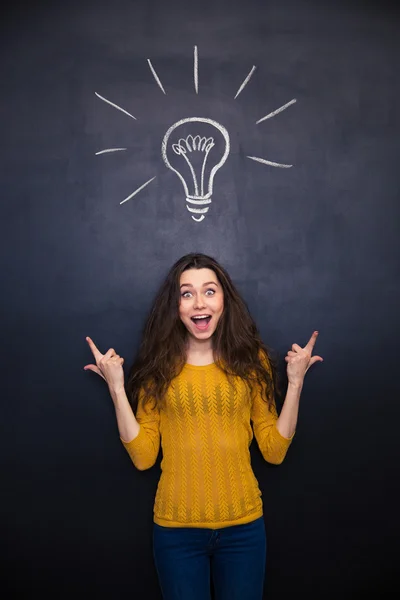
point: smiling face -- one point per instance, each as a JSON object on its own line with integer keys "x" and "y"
{"x": 201, "y": 302}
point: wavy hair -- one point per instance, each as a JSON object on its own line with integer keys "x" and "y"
{"x": 237, "y": 346}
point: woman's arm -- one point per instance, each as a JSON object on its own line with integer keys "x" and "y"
{"x": 144, "y": 444}
{"x": 272, "y": 443}
{"x": 299, "y": 360}
{"x": 128, "y": 426}
{"x": 274, "y": 434}
{"x": 287, "y": 421}
{"x": 141, "y": 434}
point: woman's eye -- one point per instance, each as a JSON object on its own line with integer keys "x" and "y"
{"x": 212, "y": 292}
{"x": 186, "y": 295}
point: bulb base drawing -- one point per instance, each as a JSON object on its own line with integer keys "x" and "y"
{"x": 198, "y": 201}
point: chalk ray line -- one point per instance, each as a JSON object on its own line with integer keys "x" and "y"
{"x": 138, "y": 190}
{"x": 246, "y": 81}
{"x": 275, "y": 112}
{"x": 156, "y": 77}
{"x": 110, "y": 150}
{"x": 196, "y": 70}
{"x": 115, "y": 106}
{"x": 269, "y": 162}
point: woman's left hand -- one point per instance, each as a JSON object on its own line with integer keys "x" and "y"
{"x": 299, "y": 360}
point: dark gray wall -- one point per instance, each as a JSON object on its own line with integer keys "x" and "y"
{"x": 311, "y": 247}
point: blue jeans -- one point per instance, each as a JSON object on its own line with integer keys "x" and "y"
{"x": 188, "y": 558}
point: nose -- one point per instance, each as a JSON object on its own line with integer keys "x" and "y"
{"x": 199, "y": 301}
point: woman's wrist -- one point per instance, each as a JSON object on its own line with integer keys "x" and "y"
{"x": 296, "y": 385}
{"x": 118, "y": 394}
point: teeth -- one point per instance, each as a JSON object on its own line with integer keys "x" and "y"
{"x": 203, "y": 317}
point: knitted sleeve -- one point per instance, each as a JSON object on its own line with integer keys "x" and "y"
{"x": 143, "y": 449}
{"x": 272, "y": 444}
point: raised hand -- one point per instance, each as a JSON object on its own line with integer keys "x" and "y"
{"x": 108, "y": 366}
{"x": 299, "y": 360}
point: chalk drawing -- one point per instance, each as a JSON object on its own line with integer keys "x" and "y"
{"x": 115, "y": 106}
{"x": 275, "y": 112}
{"x": 110, "y": 150}
{"x": 196, "y": 70}
{"x": 197, "y": 154}
{"x": 270, "y": 163}
{"x": 156, "y": 77}
{"x": 198, "y": 192}
{"x": 138, "y": 190}
{"x": 246, "y": 81}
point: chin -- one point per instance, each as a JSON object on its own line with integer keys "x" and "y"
{"x": 200, "y": 335}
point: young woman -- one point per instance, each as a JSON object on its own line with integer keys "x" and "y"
{"x": 201, "y": 378}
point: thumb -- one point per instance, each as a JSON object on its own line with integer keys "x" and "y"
{"x": 95, "y": 370}
{"x": 313, "y": 360}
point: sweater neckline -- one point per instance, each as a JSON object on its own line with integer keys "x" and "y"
{"x": 200, "y": 367}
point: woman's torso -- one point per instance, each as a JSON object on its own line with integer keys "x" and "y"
{"x": 207, "y": 479}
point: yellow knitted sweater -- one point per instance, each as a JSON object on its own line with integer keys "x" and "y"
{"x": 205, "y": 432}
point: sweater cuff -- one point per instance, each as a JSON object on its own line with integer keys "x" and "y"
{"x": 133, "y": 443}
{"x": 282, "y": 437}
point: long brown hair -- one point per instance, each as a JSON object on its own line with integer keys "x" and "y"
{"x": 237, "y": 346}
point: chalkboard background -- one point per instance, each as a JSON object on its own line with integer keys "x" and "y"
{"x": 310, "y": 247}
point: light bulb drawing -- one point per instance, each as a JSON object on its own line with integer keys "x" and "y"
{"x": 195, "y": 154}
{"x": 195, "y": 148}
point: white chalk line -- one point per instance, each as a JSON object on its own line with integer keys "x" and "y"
{"x": 115, "y": 106}
{"x": 198, "y": 220}
{"x": 270, "y": 163}
{"x": 193, "y": 173}
{"x": 204, "y": 167}
{"x": 138, "y": 190}
{"x": 245, "y": 82}
{"x": 197, "y": 210}
{"x": 110, "y": 150}
{"x": 156, "y": 77}
{"x": 275, "y": 112}
{"x": 194, "y": 199}
{"x": 196, "y": 70}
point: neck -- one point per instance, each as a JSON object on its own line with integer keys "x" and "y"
{"x": 199, "y": 352}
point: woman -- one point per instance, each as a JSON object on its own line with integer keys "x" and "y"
{"x": 201, "y": 377}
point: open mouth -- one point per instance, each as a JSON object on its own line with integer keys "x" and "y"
{"x": 201, "y": 322}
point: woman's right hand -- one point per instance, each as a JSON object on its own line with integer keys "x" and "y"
{"x": 108, "y": 366}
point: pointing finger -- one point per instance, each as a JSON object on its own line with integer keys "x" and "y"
{"x": 96, "y": 352}
{"x": 311, "y": 342}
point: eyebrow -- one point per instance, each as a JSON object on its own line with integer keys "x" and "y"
{"x": 204, "y": 284}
